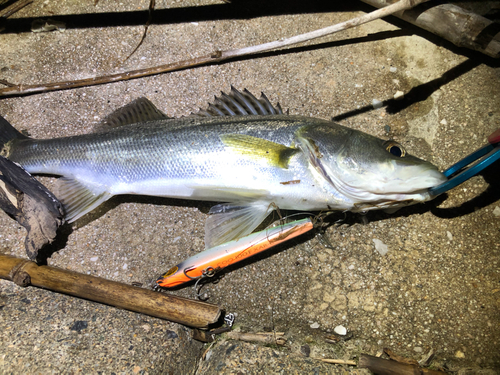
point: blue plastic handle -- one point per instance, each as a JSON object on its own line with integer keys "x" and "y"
{"x": 481, "y": 158}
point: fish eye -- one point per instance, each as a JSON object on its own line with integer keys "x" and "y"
{"x": 395, "y": 149}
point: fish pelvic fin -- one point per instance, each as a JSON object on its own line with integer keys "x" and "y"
{"x": 231, "y": 221}
{"x": 7, "y": 135}
{"x": 139, "y": 110}
{"x": 275, "y": 154}
{"x": 79, "y": 198}
{"x": 238, "y": 103}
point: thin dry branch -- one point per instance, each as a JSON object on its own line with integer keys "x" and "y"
{"x": 337, "y": 361}
{"x": 146, "y": 27}
{"x": 13, "y": 8}
{"x": 215, "y": 57}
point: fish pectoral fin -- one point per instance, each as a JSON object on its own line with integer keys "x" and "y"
{"x": 79, "y": 198}
{"x": 231, "y": 221}
{"x": 139, "y": 110}
{"x": 275, "y": 154}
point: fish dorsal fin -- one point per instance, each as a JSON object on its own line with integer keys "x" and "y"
{"x": 231, "y": 221}
{"x": 275, "y": 154}
{"x": 79, "y": 198}
{"x": 139, "y": 110}
{"x": 238, "y": 103}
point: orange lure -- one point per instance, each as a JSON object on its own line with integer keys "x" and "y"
{"x": 212, "y": 260}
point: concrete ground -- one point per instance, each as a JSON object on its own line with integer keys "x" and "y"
{"x": 438, "y": 286}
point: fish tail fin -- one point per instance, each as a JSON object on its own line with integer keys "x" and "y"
{"x": 7, "y": 134}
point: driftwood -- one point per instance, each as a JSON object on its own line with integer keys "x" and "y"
{"x": 215, "y": 57}
{"x": 31, "y": 204}
{"x": 176, "y": 309}
{"x": 380, "y": 366}
{"x": 455, "y": 24}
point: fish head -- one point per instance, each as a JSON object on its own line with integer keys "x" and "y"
{"x": 369, "y": 172}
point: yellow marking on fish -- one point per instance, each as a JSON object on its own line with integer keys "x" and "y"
{"x": 273, "y": 153}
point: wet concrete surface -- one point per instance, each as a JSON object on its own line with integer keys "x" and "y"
{"x": 437, "y": 287}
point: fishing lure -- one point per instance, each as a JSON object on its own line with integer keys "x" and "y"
{"x": 208, "y": 262}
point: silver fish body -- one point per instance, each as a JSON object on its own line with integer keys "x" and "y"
{"x": 254, "y": 162}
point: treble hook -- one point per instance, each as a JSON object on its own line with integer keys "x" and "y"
{"x": 206, "y": 273}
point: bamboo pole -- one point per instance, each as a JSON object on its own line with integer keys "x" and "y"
{"x": 176, "y": 309}
{"x": 455, "y": 24}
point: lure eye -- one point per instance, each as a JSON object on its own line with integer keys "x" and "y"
{"x": 395, "y": 149}
{"x": 171, "y": 271}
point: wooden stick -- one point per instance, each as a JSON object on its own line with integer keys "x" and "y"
{"x": 455, "y": 24}
{"x": 264, "y": 338}
{"x": 176, "y": 309}
{"x": 337, "y": 361}
{"x": 214, "y": 57}
{"x": 13, "y": 8}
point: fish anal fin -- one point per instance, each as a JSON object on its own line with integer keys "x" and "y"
{"x": 256, "y": 148}
{"x": 231, "y": 221}
{"x": 139, "y": 110}
{"x": 79, "y": 198}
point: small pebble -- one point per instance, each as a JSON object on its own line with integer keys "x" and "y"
{"x": 459, "y": 354}
{"x": 443, "y": 122}
{"x": 340, "y": 330}
{"x": 399, "y": 95}
{"x": 450, "y": 236}
{"x": 315, "y": 325}
{"x": 305, "y": 350}
{"x": 380, "y": 246}
{"x": 418, "y": 349}
{"x": 496, "y": 211}
{"x": 393, "y": 69}
{"x": 377, "y": 103}
{"x": 94, "y": 259}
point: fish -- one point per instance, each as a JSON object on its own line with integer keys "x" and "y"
{"x": 211, "y": 261}
{"x": 241, "y": 152}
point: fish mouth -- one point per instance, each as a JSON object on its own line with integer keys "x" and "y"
{"x": 395, "y": 190}
{"x": 419, "y": 182}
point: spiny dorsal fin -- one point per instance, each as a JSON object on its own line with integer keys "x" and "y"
{"x": 238, "y": 103}
{"x": 139, "y": 110}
